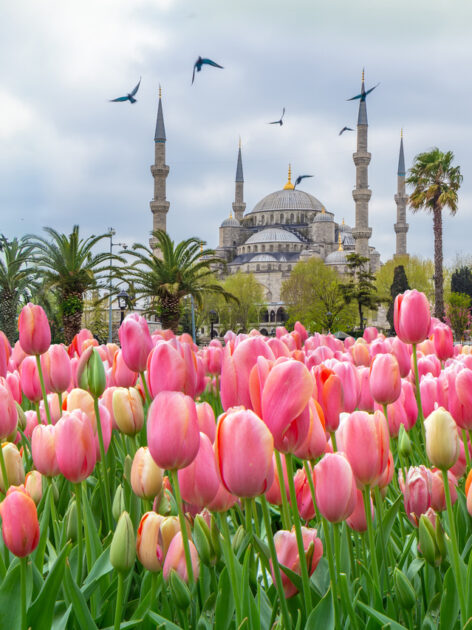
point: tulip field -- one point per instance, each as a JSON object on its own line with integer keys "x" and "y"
{"x": 289, "y": 482}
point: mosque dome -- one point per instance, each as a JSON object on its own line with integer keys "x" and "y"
{"x": 323, "y": 216}
{"x": 230, "y": 222}
{"x": 287, "y": 199}
{"x": 273, "y": 235}
{"x": 336, "y": 258}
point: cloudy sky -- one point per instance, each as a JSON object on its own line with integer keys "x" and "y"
{"x": 69, "y": 156}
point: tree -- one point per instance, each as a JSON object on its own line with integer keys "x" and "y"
{"x": 69, "y": 268}
{"x": 436, "y": 184}
{"x": 169, "y": 273}
{"x": 458, "y": 314}
{"x": 461, "y": 281}
{"x": 399, "y": 285}
{"x": 250, "y": 300}
{"x": 314, "y": 296}
{"x": 95, "y": 316}
{"x": 419, "y": 273}
{"x": 361, "y": 286}
{"x": 16, "y": 277}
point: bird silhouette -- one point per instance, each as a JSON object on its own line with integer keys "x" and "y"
{"x": 129, "y": 97}
{"x": 363, "y": 93}
{"x": 280, "y": 121}
{"x": 201, "y": 62}
{"x": 345, "y": 129}
{"x": 299, "y": 179}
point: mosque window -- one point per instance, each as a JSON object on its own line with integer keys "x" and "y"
{"x": 272, "y": 316}
{"x": 292, "y": 218}
{"x": 255, "y": 248}
{"x": 271, "y": 247}
{"x": 271, "y": 218}
{"x": 262, "y": 248}
{"x": 281, "y": 219}
{"x": 258, "y": 267}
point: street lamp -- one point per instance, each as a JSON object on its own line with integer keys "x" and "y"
{"x": 123, "y": 300}
{"x": 213, "y": 320}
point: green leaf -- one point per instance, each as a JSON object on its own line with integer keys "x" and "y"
{"x": 91, "y": 530}
{"x": 383, "y": 619}
{"x": 41, "y": 611}
{"x": 38, "y": 555}
{"x": 449, "y": 611}
{"x": 414, "y": 568}
{"x": 295, "y": 578}
{"x": 168, "y": 625}
{"x": 126, "y": 624}
{"x": 101, "y": 567}
{"x": 81, "y": 611}
{"x": 224, "y": 608}
{"x": 323, "y": 615}
{"x": 60, "y": 623}
{"x": 10, "y": 606}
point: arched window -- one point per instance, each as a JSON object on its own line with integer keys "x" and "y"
{"x": 271, "y": 248}
{"x": 271, "y": 218}
{"x": 292, "y": 218}
{"x": 281, "y": 219}
{"x": 262, "y": 248}
{"x": 272, "y": 316}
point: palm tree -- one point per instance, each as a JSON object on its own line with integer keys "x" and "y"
{"x": 436, "y": 184}
{"x": 171, "y": 272}
{"x": 16, "y": 277}
{"x": 69, "y": 268}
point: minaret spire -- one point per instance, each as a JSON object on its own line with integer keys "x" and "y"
{"x": 401, "y": 198}
{"x": 238, "y": 205}
{"x": 160, "y": 170}
{"x": 362, "y": 193}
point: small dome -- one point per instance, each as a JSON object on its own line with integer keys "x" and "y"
{"x": 273, "y": 235}
{"x": 287, "y": 199}
{"x": 323, "y": 216}
{"x": 263, "y": 258}
{"x": 230, "y": 222}
{"x": 336, "y": 258}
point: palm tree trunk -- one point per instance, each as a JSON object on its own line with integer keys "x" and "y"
{"x": 9, "y": 315}
{"x": 170, "y": 312}
{"x": 72, "y": 308}
{"x": 438, "y": 263}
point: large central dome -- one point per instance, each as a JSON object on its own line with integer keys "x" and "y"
{"x": 288, "y": 200}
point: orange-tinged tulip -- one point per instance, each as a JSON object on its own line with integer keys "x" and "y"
{"x": 33, "y": 326}
{"x": 128, "y": 410}
{"x": 175, "y": 559}
{"x": 146, "y": 476}
{"x": 34, "y": 485}
{"x": 314, "y": 444}
{"x": 148, "y": 546}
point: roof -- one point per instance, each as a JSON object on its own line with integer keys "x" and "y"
{"x": 230, "y": 222}
{"x": 323, "y": 216}
{"x": 160, "y": 133}
{"x": 287, "y": 199}
{"x": 273, "y": 235}
{"x": 239, "y": 168}
{"x": 401, "y": 161}
{"x": 263, "y": 258}
{"x": 336, "y": 258}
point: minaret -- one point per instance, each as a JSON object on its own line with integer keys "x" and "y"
{"x": 361, "y": 194}
{"x": 160, "y": 170}
{"x": 401, "y": 198}
{"x": 238, "y": 205}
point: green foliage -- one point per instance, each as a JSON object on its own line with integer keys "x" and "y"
{"x": 461, "y": 281}
{"x": 419, "y": 275}
{"x": 72, "y": 304}
{"x": 361, "y": 286}
{"x": 399, "y": 285}
{"x": 458, "y": 315}
{"x": 314, "y": 296}
{"x": 250, "y": 295}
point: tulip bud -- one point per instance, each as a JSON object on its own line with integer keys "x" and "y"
{"x": 146, "y": 476}
{"x": 71, "y": 521}
{"x": 118, "y": 506}
{"x": 238, "y": 539}
{"x": 405, "y": 592}
{"x": 127, "y": 466}
{"x": 442, "y": 441}
{"x": 13, "y": 466}
{"x": 204, "y": 543}
{"x": 427, "y": 540}
{"x": 96, "y": 375}
{"x": 34, "y": 485}
{"x": 122, "y": 548}
{"x": 128, "y": 410}
{"x": 179, "y": 590}
{"x": 404, "y": 442}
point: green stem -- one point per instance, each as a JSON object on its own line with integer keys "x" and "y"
{"x": 6, "y": 484}
{"x": 52, "y": 506}
{"x": 298, "y": 532}
{"x": 119, "y": 602}
{"x": 379, "y": 504}
{"x": 146, "y": 389}
{"x": 455, "y": 551}
{"x": 231, "y": 567}
{"x": 23, "y": 562}
{"x": 418, "y": 395}
{"x": 43, "y": 389}
{"x": 332, "y": 571}
{"x": 384, "y": 406}
{"x": 183, "y": 526}
{"x": 248, "y": 516}
{"x": 333, "y": 441}
{"x": 88, "y": 548}
{"x": 59, "y": 395}
{"x": 370, "y": 533}
{"x": 103, "y": 465}
{"x": 285, "y": 513}
{"x": 466, "y": 448}
{"x": 309, "y": 476}
{"x": 275, "y": 565}
{"x": 78, "y": 499}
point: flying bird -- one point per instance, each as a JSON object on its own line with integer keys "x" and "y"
{"x": 280, "y": 121}
{"x": 345, "y": 129}
{"x": 363, "y": 93}
{"x": 129, "y": 97}
{"x": 299, "y": 179}
{"x": 201, "y": 62}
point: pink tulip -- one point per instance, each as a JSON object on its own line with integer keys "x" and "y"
{"x": 17, "y": 355}
{"x": 357, "y": 521}
{"x": 31, "y": 422}
{"x": 305, "y": 505}
{"x": 75, "y": 446}
{"x": 366, "y": 444}
{"x": 330, "y": 396}
{"x": 360, "y": 354}
{"x": 172, "y": 430}
{"x": 5, "y": 352}
{"x": 33, "y": 326}
{"x": 206, "y": 420}
{"x": 175, "y": 559}
{"x": 314, "y": 444}
{"x": 222, "y": 501}
{"x": 417, "y": 492}
{"x": 385, "y": 381}
{"x": 438, "y": 497}
{"x": 460, "y": 403}
{"x": 287, "y": 555}
{"x": 107, "y": 428}
{"x": 429, "y": 393}
{"x": 335, "y": 487}
{"x": 366, "y": 401}
{"x": 122, "y": 375}
{"x": 411, "y": 316}
{"x": 79, "y": 342}
{"x": 286, "y": 415}
{"x": 54, "y": 409}
{"x": 199, "y": 481}
{"x": 8, "y": 412}
{"x": 57, "y": 370}
{"x": 107, "y": 401}
{"x": 402, "y": 354}
{"x": 146, "y": 476}
{"x": 20, "y": 526}
{"x": 370, "y": 333}
{"x": 350, "y": 380}
{"x": 14, "y": 385}
{"x": 460, "y": 467}
{"x": 243, "y": 448}
{"x": 386, "y": 477}
{"x": 409, "y": 404}
{"x": 273, "y": 494}
{"x": 29, "y": 379}
{"x": 136, "y": 342}
{"x": 43, "y": 449}
{"x": 443, "y": 342}
{"x": 166, "y": 369}
{"x": 214, "y": 356}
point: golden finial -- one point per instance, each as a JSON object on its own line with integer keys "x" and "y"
{"x": 323, "y": 211}
{"x": 289, "y": 185}
{"x": 401, "y": 133}
{"x": 343, "y": 222}
{"x": 340, "y": 248}
{"x": 362, "y": 75}
{"x": 160, "y": 91}
{"x": 230, "y": 214}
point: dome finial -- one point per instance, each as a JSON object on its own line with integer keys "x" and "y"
{"x": 363, "y": 75}
{"x": 289, "y": 185}
{"x": 401, "y": 133}
{"x": 230, "y": 214}
{"x": 323, "y": 211}
{"x": 343, "y": 221}
{"x": 340, "y": 248}
{"x": 239, "y": 141}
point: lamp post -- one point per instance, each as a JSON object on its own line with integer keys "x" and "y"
{"x": 123, "y": 299}
{"x": 213, "y": 320}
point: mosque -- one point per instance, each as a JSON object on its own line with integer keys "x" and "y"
{"x": 289, "y": 225}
